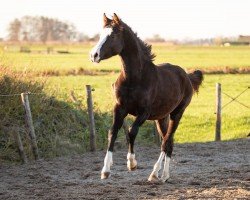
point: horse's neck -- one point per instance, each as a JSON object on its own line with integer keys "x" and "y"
{"x": 132, "y": 61}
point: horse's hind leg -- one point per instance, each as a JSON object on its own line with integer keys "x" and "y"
{"x": 162, "y": 127}
{"x": 168, "y": 140}
{"x": 167, "y": 144}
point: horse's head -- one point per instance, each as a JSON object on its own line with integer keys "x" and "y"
{"x": 111, "y": 40}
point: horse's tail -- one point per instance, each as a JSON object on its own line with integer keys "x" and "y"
{"x": 196, "y": 79}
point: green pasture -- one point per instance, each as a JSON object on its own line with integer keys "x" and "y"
{"x": 198, "y": 123}
{"x": 61, "y": 124}
{"x": 77, "y": 58}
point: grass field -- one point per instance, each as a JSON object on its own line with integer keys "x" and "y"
{"x": 188, "y": 57}
{"x": 197, "y": 125}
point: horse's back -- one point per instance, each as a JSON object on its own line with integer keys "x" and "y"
{"x": 174, "y": 75}
{"x": 167, "y": 68}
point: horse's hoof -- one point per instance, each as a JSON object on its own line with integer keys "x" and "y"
{"x": 105, "y": 175}
{"x": 132, "y": 165}
{"x": 153, "y": 178}
{"x": 132, "y": 168}
{"x": 164, "y": 179}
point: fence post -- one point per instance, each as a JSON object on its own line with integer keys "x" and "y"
{"x": 218, "y": 113}
{"x": 29, "y": 124}
{"x": 91, "y": 119}
{"x": 20, "y": 146}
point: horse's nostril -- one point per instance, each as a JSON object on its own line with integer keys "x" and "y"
{"x": 96, "y": 54}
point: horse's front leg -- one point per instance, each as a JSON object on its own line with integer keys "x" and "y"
{"x": 140, "y": 119}
{"x": 119, "y": 115}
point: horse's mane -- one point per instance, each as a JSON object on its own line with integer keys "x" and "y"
{"x": 145, "y": 48}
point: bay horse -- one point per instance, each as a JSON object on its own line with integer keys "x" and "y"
{"x": 144, "y": 90}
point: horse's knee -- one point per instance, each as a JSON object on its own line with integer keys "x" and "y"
{"x": 133, "y": 132}
{"x": 167, "y": 147}
{"x": 163, "y": 146}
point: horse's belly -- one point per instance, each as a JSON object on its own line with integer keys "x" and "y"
{"x": 156, "y": 112}
{"x": 161, "y": 111}
{"x": 154, "y": 115}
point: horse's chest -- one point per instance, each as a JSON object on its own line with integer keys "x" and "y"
{"x": 130, "y": 98}
{"x": 126, "y": 96}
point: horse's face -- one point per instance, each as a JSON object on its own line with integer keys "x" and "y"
{"x": 111, "y": 40}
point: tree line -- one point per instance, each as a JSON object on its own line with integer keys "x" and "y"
{"x": 45, "y": 29}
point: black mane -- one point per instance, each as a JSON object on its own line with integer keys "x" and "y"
{"x": 145, "y": 48}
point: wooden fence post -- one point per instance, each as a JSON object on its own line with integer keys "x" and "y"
{"x": 218, "y": 113}
{"x": 91, "y": 119}
{"x": 20, "y": 146}
{"x": 29, "y": 124}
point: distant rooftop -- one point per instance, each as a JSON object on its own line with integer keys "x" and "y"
{"x": 244, "y": 38}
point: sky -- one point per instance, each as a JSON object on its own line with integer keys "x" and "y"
{"x": 172, "y": 19}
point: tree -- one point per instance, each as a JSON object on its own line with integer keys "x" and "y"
{"x": 156, "y": 38}
{"x": 14, "y": 30}
{"x": 82, "y": 37}
{"x": 94, "y": 38}
{"x": 41, "y": 29}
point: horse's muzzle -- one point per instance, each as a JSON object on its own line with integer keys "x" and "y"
{"x": 94, "y": 57}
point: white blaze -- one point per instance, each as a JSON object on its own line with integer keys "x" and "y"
{"x": 96, "y": 50}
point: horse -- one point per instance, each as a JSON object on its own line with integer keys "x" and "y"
{"x": 144, "y": 90}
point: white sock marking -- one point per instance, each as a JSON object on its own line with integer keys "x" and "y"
{"x": 131, "y": 161}
{"x": 130, "y": 156}
{"x": 103, "y": 37}
{"x": 108, "y": 161}
{"x": 165, "y": 172}
{"x": 157, "y": 166}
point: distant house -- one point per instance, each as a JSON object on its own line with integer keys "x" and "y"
{"x": 244, "y": 39}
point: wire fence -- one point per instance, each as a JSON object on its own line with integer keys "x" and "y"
{"x": 235, "y": 98}
{"x": 219, "y": 107}
{"x": 49, "y": 119}
{"x": 19, "y": 94}
{"x": 84, "y": 113}
{"x": 12, "y": 124}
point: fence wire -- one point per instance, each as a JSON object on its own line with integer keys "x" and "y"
{"x": 19, "y": 94}
{"x": 235, "y": 99}
{"x": 40, "y": 93}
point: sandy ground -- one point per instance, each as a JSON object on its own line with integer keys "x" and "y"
{"x": 216, "y": 170}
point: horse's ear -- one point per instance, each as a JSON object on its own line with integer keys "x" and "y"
{"x": 106, "y": 21}
{"x": 116, "y": 19}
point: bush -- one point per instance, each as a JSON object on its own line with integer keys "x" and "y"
{"x": 25, "y": 49}
{"x": 58, "y": 125}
